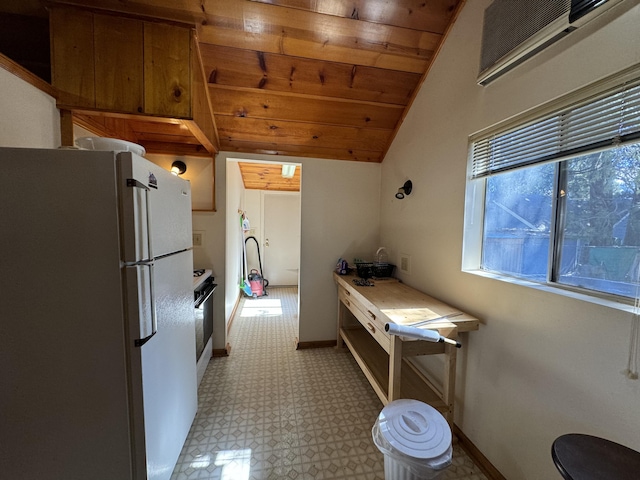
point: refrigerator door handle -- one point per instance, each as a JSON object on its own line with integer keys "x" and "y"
{"x": 132, "y": 182}
{"x": 141, "y": 278}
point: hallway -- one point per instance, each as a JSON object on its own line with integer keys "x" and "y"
{"x": 269, "y": 411}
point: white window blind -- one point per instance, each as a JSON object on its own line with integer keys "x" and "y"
{"x": 608, "y": 119}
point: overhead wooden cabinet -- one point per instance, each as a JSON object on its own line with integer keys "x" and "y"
{"x": 121, "y": 64}
{"x": 106, "y": 64}
{"x": 167, "y": 70}
{"x": 117, "y": 46}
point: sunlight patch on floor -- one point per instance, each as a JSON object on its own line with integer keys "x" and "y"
{"x": 236, "y": 464}
{"x": 201, "y": 461}
{"x": 261, "y": 307}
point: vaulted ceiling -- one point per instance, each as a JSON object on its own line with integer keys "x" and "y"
{"x": 314, "y": 78}
{"x": 321, "y": 78}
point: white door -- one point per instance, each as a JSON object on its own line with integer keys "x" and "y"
{"x": 281, "y": 238}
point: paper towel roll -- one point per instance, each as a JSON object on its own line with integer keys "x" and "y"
{"x": 418, "y": 334}
{"x": 412, "y": 332}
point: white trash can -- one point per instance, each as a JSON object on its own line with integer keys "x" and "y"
{"x": 415, "y": 439}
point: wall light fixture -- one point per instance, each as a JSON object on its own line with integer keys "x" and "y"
{"x": 178, "y": 167}
{"x": 404, "y": 190}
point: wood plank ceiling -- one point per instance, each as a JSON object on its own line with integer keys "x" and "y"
{"x": 328, "y": 79}
{"x": 268, "y": 176}
{"x": 314, "y": 78}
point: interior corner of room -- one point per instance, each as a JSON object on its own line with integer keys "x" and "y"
{"x": 541, "y": 363}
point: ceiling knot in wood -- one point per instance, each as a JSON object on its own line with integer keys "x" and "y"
{"x": 262, "y": 62}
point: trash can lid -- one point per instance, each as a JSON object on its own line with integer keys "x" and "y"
{"x": 415, "y": 429}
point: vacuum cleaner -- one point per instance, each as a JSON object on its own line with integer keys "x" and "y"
{"x": 257, "y": 282}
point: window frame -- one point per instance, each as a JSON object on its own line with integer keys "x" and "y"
{"x": 475, "y": 193}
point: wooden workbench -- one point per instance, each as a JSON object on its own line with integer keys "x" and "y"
{"x": 385, "y": 359}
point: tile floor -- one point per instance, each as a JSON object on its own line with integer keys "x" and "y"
{"x": 269, "y": 411}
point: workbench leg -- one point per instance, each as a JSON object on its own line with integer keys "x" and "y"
{"x": 449, "y": 381}
{"x": 395, "y": 367}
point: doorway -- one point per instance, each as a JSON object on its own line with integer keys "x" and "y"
{"x": 274, "y": 222}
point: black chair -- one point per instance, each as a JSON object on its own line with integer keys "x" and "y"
{"x": 585, "y": 457}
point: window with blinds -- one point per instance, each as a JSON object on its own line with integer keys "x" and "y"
{"x": 610, "y": 119}
{"x": 560, "y": 194}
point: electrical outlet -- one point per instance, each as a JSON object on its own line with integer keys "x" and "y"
{"x": 405, "y": 263}
{"x": 198, "y": 239}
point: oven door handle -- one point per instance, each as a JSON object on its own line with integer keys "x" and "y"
{"x": 207, "y": 292}
{"x": 205, "y": 296}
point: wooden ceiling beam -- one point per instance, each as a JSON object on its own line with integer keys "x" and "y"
{"x": 105, "y": 126}
{"x": 175, "y": 127}
{"x": 253, "y": 103}
{"x": 168, "y": 148}
{"x": 184, "y": 11}
{"x": 303, "y": 134}
{"x": 324, "y": 152}
{"x": 144, "y": 137}
{"x": 431, "y": 16}
{"x": 288, "y": 31}
{"x": 275, "y": 72}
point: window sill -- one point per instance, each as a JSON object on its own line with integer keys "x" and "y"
{"x": 611, "y": 302}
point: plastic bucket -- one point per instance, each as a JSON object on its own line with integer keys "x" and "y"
{"x": 415, "y": 439}
{"x": 255, "y": 282}
{"x": 256, "y": 287}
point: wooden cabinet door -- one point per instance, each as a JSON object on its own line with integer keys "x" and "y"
{"x": 72, "y": 57}
{"x": 120, "y": 64}
{"x": 119, "y": 73}
{"x": 167, "y": 76}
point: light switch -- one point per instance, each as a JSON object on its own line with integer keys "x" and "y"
{"x": 198, "y": 238}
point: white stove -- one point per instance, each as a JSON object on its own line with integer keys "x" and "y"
{"x": 203, "y": 289}
{"x": 200, "y": 275}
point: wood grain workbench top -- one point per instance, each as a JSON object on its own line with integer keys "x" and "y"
{"x": 405, "y": 305}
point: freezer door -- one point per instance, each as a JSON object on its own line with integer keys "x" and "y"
{"x": 154, "y": 203}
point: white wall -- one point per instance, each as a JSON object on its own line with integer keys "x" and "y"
{"x": 541, "y": 364}
{"x": 29, "y": 117}
{"x": 340, "y": 218}
{"x": 212, "y": 253}
{"x": 233, "y": 192}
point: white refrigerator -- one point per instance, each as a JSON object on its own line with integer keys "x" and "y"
{"x": 97, "y": 348}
